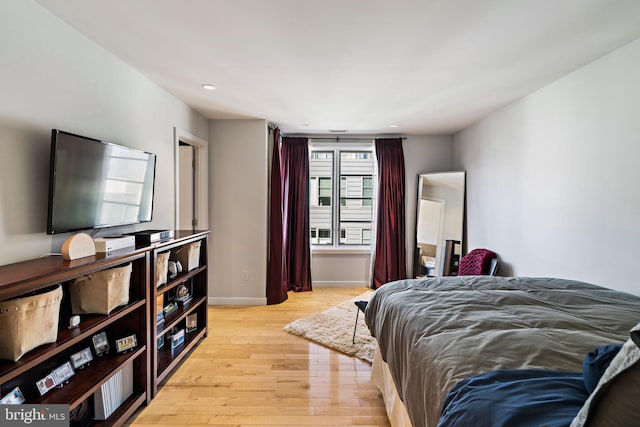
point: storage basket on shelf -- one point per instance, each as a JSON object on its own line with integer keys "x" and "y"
{"x": 28, "y": 322}
{"x": 188, "y": 255}
{"x": 101, "y": 292}
{"x": 162, "y": 265}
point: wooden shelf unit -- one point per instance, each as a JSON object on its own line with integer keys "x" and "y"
{"x": 165, "y": 359}
{"x": 23, "y": 278}
{"x": 30, "y": 276}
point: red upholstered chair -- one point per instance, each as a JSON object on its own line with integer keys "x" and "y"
{"x": 478, "y": 262}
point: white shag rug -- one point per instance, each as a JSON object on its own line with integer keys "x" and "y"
{"x": 333, "y": 328}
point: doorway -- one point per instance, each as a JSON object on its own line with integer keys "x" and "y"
{"x": 187, "y": 198}
{"x": 191, "y": 182}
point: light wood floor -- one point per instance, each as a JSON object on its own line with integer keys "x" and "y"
{"x": 248, "y": 372}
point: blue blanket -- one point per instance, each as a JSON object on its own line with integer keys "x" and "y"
{"x": 514, "y": 398}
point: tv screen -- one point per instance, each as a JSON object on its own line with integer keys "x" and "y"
{"x": 96, "y": 184}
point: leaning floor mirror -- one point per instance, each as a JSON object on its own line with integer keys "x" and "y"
{"x": 439, "y": 224}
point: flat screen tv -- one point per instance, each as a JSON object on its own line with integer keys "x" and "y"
{"x": 95, "y": 184}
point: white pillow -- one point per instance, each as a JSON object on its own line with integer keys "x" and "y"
{"x": 614, "y": 402}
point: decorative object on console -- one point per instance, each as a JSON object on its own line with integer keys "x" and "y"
{"x": 162, "y": 266}
{"x": 14, "y": 397}
{"x": 188, "y": 255}
{"x": 150, "y": 236}
{"x": 46, "y": 384}
{"x": 101, "y": 292}
{"x": 100, "y": 344}
{"x": 177, "y": 338}
{"x": 56, "y": 378}
{"x": 174, "y": 267}
{"x": 80, "y": 245}
{"x": 114, "y": 243}
{"x": 126, "y": 344}
{"x": 183, "y": 296}
{"x": 191, "y": 322}
{"x": 81, "y": 359}
{"x": 170, "y": 308}
{"x": 62, "y": 373}
{"x": 74, "y": 321}
{"x": 28, "y": 322}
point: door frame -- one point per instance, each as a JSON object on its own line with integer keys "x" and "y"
{"x": 201, "y": 184}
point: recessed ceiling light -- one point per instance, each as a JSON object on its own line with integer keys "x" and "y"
{"x": 208, "y": 87}
{"x": 306, "y": 125}
{"x": 394, "y": 125}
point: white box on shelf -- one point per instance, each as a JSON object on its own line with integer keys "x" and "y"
{"x": 109, "y": 244}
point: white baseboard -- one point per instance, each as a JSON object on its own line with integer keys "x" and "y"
{"x": 341, "y": 284}
{"x": 236, "y": 301}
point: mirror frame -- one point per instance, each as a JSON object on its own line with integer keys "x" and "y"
{"x": 441, "y": 248}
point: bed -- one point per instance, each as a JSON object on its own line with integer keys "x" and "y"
{"x": 445, "y": 342}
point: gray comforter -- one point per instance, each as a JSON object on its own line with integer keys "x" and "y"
{"x": 434, "y": 332}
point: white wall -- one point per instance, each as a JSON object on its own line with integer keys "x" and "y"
{"x": 238, "y": 211}
{"x": 341, "y": 269}
{"x": 52, "y": 76}
{"x": 552, "y": 179}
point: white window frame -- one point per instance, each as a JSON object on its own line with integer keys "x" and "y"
{"x": 336, "y": 247}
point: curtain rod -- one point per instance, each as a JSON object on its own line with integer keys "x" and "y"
{"x": 346, "y": 139}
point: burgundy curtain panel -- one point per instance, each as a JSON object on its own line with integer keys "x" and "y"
{"x": 295, "y": 202}
{"x": 276, "y": 283}
{"x": 390, "y": 253}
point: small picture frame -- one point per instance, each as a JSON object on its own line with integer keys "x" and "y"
{"x": 14, "y": 397}
{"x": 81, "y": 359}
{"x": 191, "y": 322}
{"x": 127, "y": 343}
{"x": 100, "y": 344}
{"x": 62, "y": 373}
{"x": 46, "y": 384}
{"x": 177, "y": 339}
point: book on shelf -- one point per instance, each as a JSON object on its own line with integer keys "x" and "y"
{"x": 113, "y": 392}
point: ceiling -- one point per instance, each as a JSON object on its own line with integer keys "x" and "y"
{"x": 311, "y": 66}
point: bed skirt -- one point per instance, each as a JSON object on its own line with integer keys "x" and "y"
{"x": 381, "y": 378}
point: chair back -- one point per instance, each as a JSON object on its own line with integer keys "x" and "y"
{"x": 478, "y": 262}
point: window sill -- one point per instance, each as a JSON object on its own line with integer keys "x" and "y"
{"x": 358, "y": 250}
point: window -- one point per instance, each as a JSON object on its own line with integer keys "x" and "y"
{"x": 320, "y": 236}
{"x": 324, "y": 191}
{"x": 351, "y": 218}
{"x": 367, "y": 191}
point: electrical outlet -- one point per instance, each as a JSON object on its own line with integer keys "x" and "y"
{"x": 245, "y": 276}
